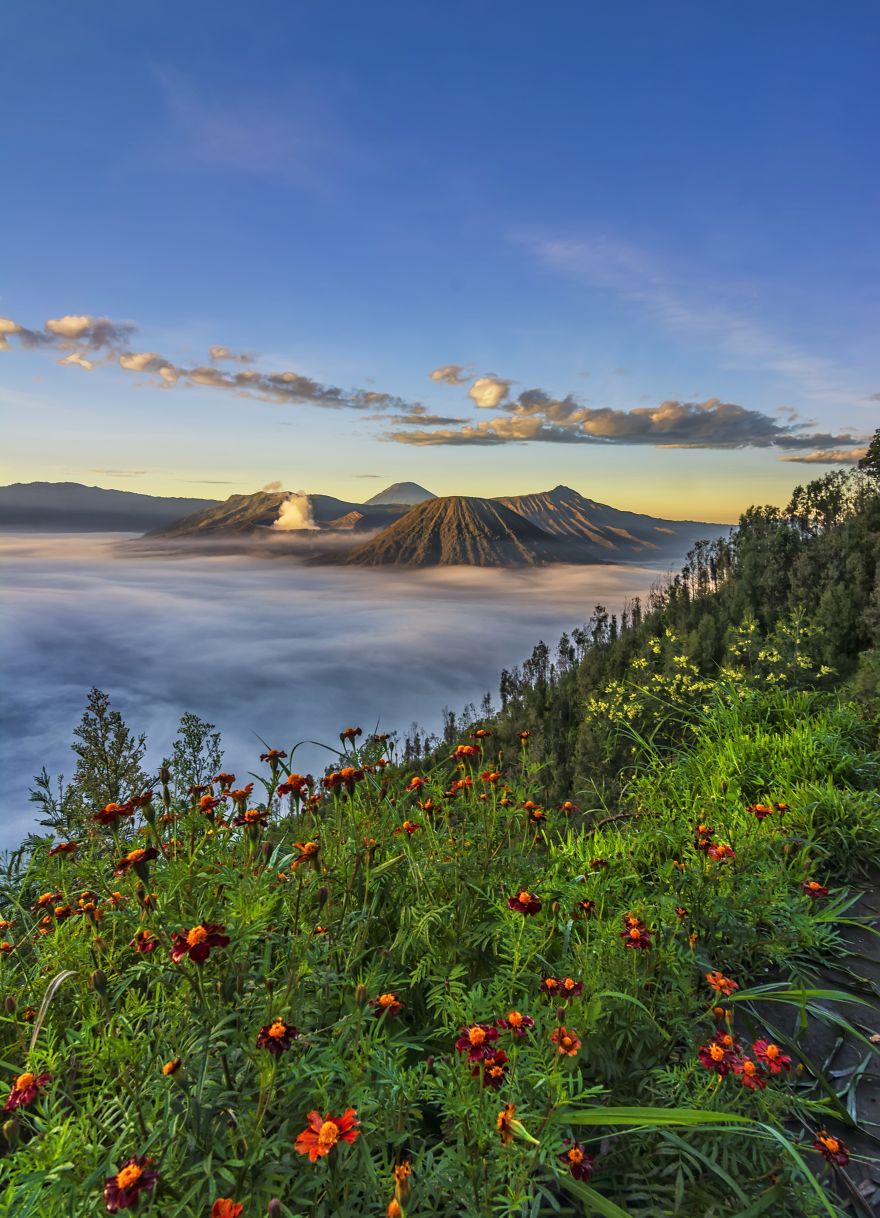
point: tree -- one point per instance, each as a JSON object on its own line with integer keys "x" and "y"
{"x": 870, "y": 463}
{"x": 109, "y": 755}
{"x": 196, "y": 755}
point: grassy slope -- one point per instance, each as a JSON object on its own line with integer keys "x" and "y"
{"x": 425, "y": 915}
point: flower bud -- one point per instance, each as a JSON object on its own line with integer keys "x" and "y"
{"x": 321, "y": 895}
{"x": 360, "y": 994}
{"x": 98, "y": 981}
{"x": 8, "y": 1004}
{"x": 274, "y": 1210}
{"x": 164, "y": 774}
{"x": 10, "y": 1131}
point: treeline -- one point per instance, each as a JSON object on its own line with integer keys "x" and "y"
{"x": 814, "y": 562}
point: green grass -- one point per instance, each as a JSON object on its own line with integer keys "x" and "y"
{"x": 425, "y": 915}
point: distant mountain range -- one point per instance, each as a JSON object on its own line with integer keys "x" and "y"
{"x": 72, "y": 507}
{"x": 406, "y": 524}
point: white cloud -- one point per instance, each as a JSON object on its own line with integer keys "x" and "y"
{"x": 488, "y": 392}
{"x": 79, "y": 360}
{"x": 451, "y": 374}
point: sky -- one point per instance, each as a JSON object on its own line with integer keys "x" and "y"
{"x": 487, "y": 247}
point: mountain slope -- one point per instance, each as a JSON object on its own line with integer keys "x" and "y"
{"x": 406, "y": 493}
{"x": 458, "y": 530}
{"x": 608, "y": 533}
{"x": 241, "y": 514}
{"x": 72, "y": 507}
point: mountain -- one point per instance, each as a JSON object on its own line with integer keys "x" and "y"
{"x": 242, "y": 514}
{"x": 458, "y": 530}
{"x": 609, "y": 534}
{"x": 72, "y": 507}
{"x": 405, "y": 493}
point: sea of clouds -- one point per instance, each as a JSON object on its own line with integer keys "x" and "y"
{"x": 277, "y": 650}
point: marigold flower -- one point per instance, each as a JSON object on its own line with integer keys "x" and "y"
{"x": 142, "y": 801}
{"x": 277, "y": 1036}
{"x": 346, "y": 777}
{"x": 702, "y": 836}
{"x": 568, "y": 806}
{"x": 135, "y": 1176}
{"x": 524, "y": 735}
{"x": 199, "y": 788}
{"x": 569, "y": 988}
{"x": 323, "y": 1133}
{"x": 48, "y": 898}
{"x": 720, "y": 852}
{"x": 814, "y": 889}
{"x": 490, "y": 776}
{"x": 416, "y": 783}
{"x": 144, "y": 941}
{"x": 171, "y": 1067}
{"x": 208, "y": 803}
{"x": 719, "y": 1053}
{"x": 137, "y": 859}
{"x": 524, "y": 902}
{"x": 225, "y": 1207}
{"x": 242, "y": 795}
{"x": 599, "y": 864}
{"x": 567, "y": 1042}
{"x": 402, "y": 1176}
{"x": 760, "y": 811}
{"x": 680, "y": 911}
{"x": 721, "y": 984}
{"x": 504, "y": 1124}
{"x": 350, "y": 733}
{"x": 112, "y": 813}
{"x": 584, "y": 908}
{"x": 387, "y": 1004}
{"x": 393, "y": 1210}
{"x": 25, "y": 1090}
{"x": 465, "y": 752}
{"x": 63, "y": 848}
{"x": 253, "y": 818}
{"x": 517, "y": 1024}
{"x": 62, "y": 912}
{"x": 492, "y": 1069}
{"x": 308, "y": 852}
{"x": 576, "y": 1159}
{"x": 635, "y": 934}
{"x": 273, "y": 756}
{"x": 296, "y": 784}
{"x": 476, "y": 1040}
{"x": 6, "y": 947}
{"x": 225, "y": 780}
{"x": 198, "y": 942}
{"x": 771, "y": 1056}
{"x": 750, "y": 1073}
{"x": 409, "y": 827}
{"x": 780, "y": 808}
{"x": 831, "y": 1148}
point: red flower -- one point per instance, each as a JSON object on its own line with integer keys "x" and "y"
{"x": 225, "y": 780}
{"x": 208, "y": 803}
{"x": 492, "y": 1068}
{"x": 635, "y": 934}
{"x": 702, "y": 837}
{"x": 254, "y": 818}
{"x": 771, "y": 1056}
{"x": 135, "y": 1176}
{"x": 111, "y": 814}
{"x": 136, "y": 858}
{"x": 720, "y": 852}
{"x": 549, "y": 986}
{"x": 273, "y": 756}
{"x": 63, "y": 848}
{"x": 569, "y": 988}
{"x": 831, "y": 1148}
{"x": 751, "y": 1074}
{"x": 277, "y": 1036}
{"x": 599, "y": 864}
{"x": 346, "y": 777}
{"x": 465, "y": 752}
{"x": 515, "y": 1023}
{"x": 144, "y": 941}
{"x": 387, "y": 1004}
{"x": 198, "y": 942}
{"x": 477, "y": 1040}
{"x": 814, "y": 889}
{"x": 408, "y": 826}
{"x": 576, "y": 1159}
{"x": 584, "y": 908}
{"x": 242, "y": 795}
{"x": 719, "y": 1053}
{"x": 524, "y": 902}
{"x": 25, "y": 1090}
{"x": 524, "y": 736}
{"x": 225, "y": 1207}
{"x": 308, "y": 853}
{"x": 324, "y": 1132}
{"x": 416, "y": 783}
{"x": 350, "y": 733}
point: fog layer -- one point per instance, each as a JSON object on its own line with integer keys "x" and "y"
{"x": 275, "y": 650}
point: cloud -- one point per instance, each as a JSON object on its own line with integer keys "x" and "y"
{"x": 121, "y": 473}
{"x": 832, "y": 456}
{"x": 273, "y": 486}
{"x": 223, "y": 353}
{"x": 537, "y": 417}
{"x": 451, "y": 374}
{"x": 79, "y": 360}
{"x": 80, "y": 335}
{"x": 874, "y": 397}
{"x": 488, "y": 392}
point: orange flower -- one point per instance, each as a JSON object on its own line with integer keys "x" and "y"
{"x": 350, "y": 733}
{"x": 416, "y": 783}
{"x": 308, "y": 852}
{"x": 225, "y": 1207}
{"x": 504, "y": 1124}
{"x": 387, "y": 1004}
{"x": 567, "y": 1042}
{"x": 323, "y": 1133}
{"x": 721, "y": 984}
{"x": 171, "y": 1067}
{"x": 63, "y": 848}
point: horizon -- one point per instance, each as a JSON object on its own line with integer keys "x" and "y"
{"x": 481, "y": 276}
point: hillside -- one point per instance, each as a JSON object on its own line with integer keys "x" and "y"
{"x": 72, "y": 507}
{"x": 406, "y": 493}
{"x": 243, "y": 514}
{"x": 607, "y": 533}
{"x": 455, "y": 531}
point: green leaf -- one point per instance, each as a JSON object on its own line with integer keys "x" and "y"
{"x": 595, "y": 1201}
{"x": 641, "y": 1117}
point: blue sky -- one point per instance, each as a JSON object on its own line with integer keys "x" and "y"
{"x": 663, "y": 219}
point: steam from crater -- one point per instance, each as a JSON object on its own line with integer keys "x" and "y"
{"x": 295, "y": 514}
